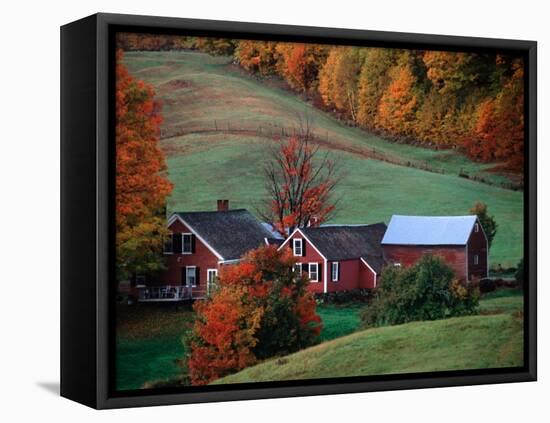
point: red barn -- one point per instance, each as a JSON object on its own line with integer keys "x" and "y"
{"x": 338, "y": 257}
{"x": 198, "y": 245}
{"x": 459, "y": 240}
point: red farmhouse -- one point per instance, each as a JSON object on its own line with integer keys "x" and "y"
{"x": 199, "y": 244}
{"x": 338, "y": 257}
{"x": 335, "y": 257}
{"x": 459, "y": 240}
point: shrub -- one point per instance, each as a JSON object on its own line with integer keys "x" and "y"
{"x": 362, "y": 295}
{"x": 487, "y": 285}
{"x": 260, "y": 309}
{"x": 520, "y": 273}
{"x": 425, "y": 291}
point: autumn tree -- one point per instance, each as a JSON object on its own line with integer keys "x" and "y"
{"x": 498, "y": 134}
{"x": 400, "y": 101}
{"x": 503, "y": 123}
{"x": 447, "y": 70}
{"x": 299, "y": 64}
{"x": 373, "y": 81}
{"x": 257, "y": 56}
{"x": 300, "y": 183}
{"x": 488, "y": 222}
{"x": 141, "y": 183}
{"x": 261, "y": 309}
{"x": 216, "y": 46}
{"x": 338, "y": 79}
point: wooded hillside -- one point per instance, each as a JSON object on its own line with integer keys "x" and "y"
{"x": 470, "y": 101}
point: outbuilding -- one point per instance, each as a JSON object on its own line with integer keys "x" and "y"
{"x": 459, "y": 240}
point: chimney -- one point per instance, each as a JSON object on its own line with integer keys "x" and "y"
{"x": 223, "y": 205}
{"x": 313, "y": 221}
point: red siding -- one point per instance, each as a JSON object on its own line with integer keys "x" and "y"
{"x": 408, "y": 255}
{"x": 202, "y": 258}
{"x": 353, "y": 273}
{"x": 311, "y": 256}
{"x": 477, "y": 245}
{"x": 367, "y": 278}
{"x": 349, "y": 274}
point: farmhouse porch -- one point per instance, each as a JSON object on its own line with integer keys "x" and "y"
{"x": 167, "y": 293}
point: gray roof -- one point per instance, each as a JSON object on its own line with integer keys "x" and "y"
{"x": 272, "y": 231}
{"x": 275, "y": 241}
{"x": 376, "y": 262}
{"x": 429, "y": 230}
{"x": 230, "y": 233}
{"x": 343, "y": 242}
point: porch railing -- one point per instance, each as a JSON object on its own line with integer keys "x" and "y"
{"x": 166, "y": 293}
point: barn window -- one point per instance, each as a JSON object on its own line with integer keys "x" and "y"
{"x": 140, "y": 280}
{"x": 314, "y": 272}
{"x": 169, "y": 244}
{"x": 476, "y": 227}
{"x": 397, "y": 264}
{"x": 298, "y": 268}
{"x": 297, "y": 246}
{"x": 191, "y": 275}
{"x": 187, "y": 243}
{"x": 335, "y": 271}
{"x": 476, "y": 259}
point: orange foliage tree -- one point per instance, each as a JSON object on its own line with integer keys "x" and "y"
{"x": 338, "y": 79}
{"x": 373, "y": 81}
{"x": 141, "y": 183}
{"x": 261, "y": 308}
{"x": 398, "y": 105}
{"x": 447, "y": 70}
{"x": 299, "y": 64}
{"x": 499, "y": 130}
{"x": 257, "y": 56}
{"x": 300, "y": 183}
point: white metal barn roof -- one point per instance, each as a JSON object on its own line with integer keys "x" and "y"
{"x": 429, "y": 230}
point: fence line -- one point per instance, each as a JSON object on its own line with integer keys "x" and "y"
{"x": 277, "y": 132}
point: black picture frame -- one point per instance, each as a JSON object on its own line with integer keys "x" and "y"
{"x": 87, "y": 169}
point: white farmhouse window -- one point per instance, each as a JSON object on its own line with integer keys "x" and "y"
{"x": 297, "y": 247}
{"x": 298, "y": 268}
{"x": 212, "y": 275}
{"x": 335, "y": 271}
{"x": 476, "y": 259}
{"x": 186, "y": 243}
{"x": 191, "y": 275}
{"x": 314, "y": 272}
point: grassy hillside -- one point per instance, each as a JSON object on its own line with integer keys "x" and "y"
{"x": 149, "y": 337}
{"x": 149, "y": 343}
{"x": 218, "y": 122}
{"x": 454, "y": 344}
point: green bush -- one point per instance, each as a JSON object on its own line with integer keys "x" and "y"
{"x": 487, "y": 285}
{"x": 425, "y": 291}
{"x": 359, "y": 295}
{"x": 520, "y": 273}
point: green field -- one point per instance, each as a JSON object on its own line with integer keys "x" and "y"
{"x": 338, "y": 320}
{"x": 218, "y": 122}
{"x": 149, "y": 343}
{"x": 473, "y": 342}
{"x": 149, "y": 338}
